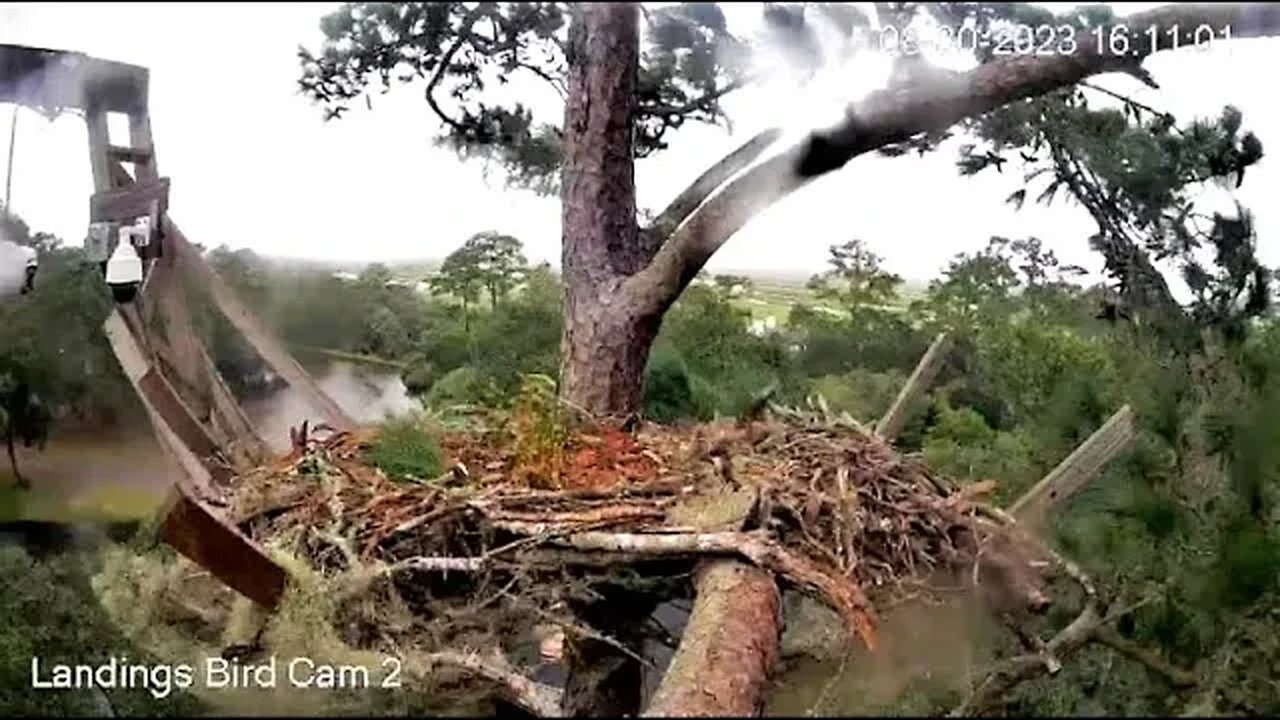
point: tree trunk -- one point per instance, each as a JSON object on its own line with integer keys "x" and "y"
{"x": 605, "y": 349}
{"x": 13, "y": 461}
{"x": 605, "y": 341}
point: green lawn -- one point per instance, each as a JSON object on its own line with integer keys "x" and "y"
{"x": 775, "y": 299}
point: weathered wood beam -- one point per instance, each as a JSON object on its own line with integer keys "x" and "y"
{"x": 95, "y": 121}
{"x": 1078, "y": 469}
{"x": 158, "y": 394}
{"x": 144, "y": 148}
{"x": 128, "y": 154}
{"x": 258, "y": 335}
{"x": 728, "y": 647}
{"x": 45, "y": 78}
{"x": 188, "y": 524}
{"x": 126, "y": 203}
{"x": 185, "y": 354}
{"x": 922, "y": 377}
{"x": 196, "y": 531}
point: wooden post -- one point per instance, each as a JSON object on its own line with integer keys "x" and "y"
{"x": 921, "y": 378}
{"x": 1079, "y": 468}
{"x": 95, "y": 119}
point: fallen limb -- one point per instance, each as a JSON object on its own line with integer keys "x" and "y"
{"x": 921, "y": 378}
{"x": 843, "y": 595}
{"x": 728, "y": 648}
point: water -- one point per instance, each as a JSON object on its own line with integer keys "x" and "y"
{"x": 121, "y": 472}
{"x": 369, "y": 394}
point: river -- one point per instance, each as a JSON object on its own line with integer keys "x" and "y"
{"x": 121, "y": 472}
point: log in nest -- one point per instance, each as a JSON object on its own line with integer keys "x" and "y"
{"x": 489, "y": 550}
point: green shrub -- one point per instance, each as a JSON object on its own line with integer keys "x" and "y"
{"x": 54, "y": 615}
{"x": 672, "y": 393}
{"x": 461, "y": 386}
{"x": 1248, "y": 563}
{"x": 405, "y": 449}
{"x": 863, "y": 394}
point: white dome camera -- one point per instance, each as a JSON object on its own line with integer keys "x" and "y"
{"x": 18, "y": 264}
{"x": 124, "y": 267}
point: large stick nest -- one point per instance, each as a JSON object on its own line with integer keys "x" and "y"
{"x": 492, "y": 548}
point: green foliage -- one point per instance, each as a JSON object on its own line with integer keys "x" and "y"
{"x": 865, "y": 395}
{"x": 672, "y": 393}
{"x": 461, "y": 386}
{"x": 54, "y": 358}
{"x": 487, "y": 262}
{"x": 539, "y": 429}
{"x": 56, "y": 617}
{"x": 687, "y": 63}
{"x": 726, "y": 364}
{"x": 405, "y": 449}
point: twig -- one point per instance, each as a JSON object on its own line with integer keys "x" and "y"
{"x": 581, "y": 629}
{"x": 543, "y": 700}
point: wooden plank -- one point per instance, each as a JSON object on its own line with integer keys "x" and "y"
{"x": 921, "y": 378}
{"x": 95, "y": 121}
{"x": 159, "y": 394}
{"x": 202, "y": 536}
{"x": 189, "y": 525}
{"x": 46, "y": 78}
{"x": 126, "y": 203}
{"x": 258, "y": 335}
{"x": 1079, "y": 468}
{"x": 129, "y": 154}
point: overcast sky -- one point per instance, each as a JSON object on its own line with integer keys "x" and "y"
{"x": 253, "y": 164}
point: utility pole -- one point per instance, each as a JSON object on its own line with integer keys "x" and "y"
{"x": 8, "y": 177}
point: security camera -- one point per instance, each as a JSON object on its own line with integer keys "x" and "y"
{"x": 18, "y": 265}
{"x": 124, "y": 270}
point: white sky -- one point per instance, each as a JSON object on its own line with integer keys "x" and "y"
{"x": 253, "y": 164}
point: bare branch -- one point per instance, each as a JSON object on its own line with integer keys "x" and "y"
{"x": 706, "y": 184}
{"x": 1176, "y": 676}
{"x": 921, "y": 378}
{"x": 894, "y": 115}
{"x": 442, "y": 65}
{"x": 698, "y": 103}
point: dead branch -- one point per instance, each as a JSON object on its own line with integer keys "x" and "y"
{"x": 729, "y": 645}
{"x": 1079, "y": 468}
{"x": 1176, "y": 676}
{"x": 921, "y": 378}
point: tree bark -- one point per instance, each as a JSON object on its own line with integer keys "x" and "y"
{"x": 729, "y": 646}
{"x": 605, "y": 342}
{"x": 604, "y": 345}
{"x": 22, "y": 482}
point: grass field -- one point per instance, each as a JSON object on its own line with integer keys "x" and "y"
{"x": 774, "y": 298}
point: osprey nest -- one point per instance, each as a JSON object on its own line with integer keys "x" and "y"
{"x": 533, "y": 522}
